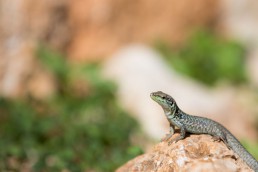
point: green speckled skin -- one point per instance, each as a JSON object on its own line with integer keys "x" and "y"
{"x": 201, "y": 125}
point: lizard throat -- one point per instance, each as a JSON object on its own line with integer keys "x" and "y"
{"x": 170, "y": 114}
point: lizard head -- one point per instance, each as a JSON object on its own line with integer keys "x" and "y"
{"x": 164, "y": 100}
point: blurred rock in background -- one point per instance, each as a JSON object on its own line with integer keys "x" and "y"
{"x": 101, "y": 27}
{"x": 25, "y": 24}
{"x": 88, "y": 30}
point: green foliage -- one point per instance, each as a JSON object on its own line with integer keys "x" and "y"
{"x": 81, "y": 128}
{"x": 208, "y": 58}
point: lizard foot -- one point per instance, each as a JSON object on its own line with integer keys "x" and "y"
{"x": 216, "y": 138}
{"x": 175, "y": 140}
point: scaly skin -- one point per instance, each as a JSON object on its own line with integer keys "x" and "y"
{"x": 200, "y": 125}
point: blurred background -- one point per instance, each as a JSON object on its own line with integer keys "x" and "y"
{"x": 75, "y": 77}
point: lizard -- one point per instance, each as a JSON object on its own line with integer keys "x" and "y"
{"x": 199, "y": 125}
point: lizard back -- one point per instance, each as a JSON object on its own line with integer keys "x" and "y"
{"x": 202, "y": 125}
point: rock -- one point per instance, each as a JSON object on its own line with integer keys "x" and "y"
{"x": 196, "y": 153}
{"x": 21, "y": 31}
{"x": 101, "y": 27}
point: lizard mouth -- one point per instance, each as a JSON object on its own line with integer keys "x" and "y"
{"x": 153, "y": 96}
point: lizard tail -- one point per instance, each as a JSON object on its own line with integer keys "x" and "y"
{"x": 236, "y": 146}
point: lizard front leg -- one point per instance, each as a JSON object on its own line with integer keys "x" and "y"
{"x": 182, "y": 134}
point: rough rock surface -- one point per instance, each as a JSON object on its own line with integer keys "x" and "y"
{"x": 196, "y": 153}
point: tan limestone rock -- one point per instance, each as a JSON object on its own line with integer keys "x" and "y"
{"x": 195, "y": 153}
